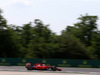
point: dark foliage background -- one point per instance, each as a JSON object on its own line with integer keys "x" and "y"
{"x": 36, "y": 40}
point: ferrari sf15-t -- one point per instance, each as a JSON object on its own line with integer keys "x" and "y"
{"x": 40, "y": 66}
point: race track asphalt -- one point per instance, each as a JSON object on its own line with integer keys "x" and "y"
{"x": 22, "y": 68}
{"x": 82, "y": 69}
{"x": 37, "y": 73}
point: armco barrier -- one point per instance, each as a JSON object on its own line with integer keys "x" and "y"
{"x": 56, "y": 62}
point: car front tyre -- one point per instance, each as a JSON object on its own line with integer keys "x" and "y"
{"x": 53, "y": 68}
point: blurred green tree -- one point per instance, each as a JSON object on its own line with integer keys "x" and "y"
{"x": 9, "y": 45}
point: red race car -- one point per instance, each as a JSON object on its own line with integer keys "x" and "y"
{"x": 40, "y": 66}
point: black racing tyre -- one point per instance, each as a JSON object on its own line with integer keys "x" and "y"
{"x": 29, "y": 68}
{"x": 53, "y": 68}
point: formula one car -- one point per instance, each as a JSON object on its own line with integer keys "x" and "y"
{"x": 40, "y": 66}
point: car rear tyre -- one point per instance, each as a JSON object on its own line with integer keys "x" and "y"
{"x": 29, "y": 68}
